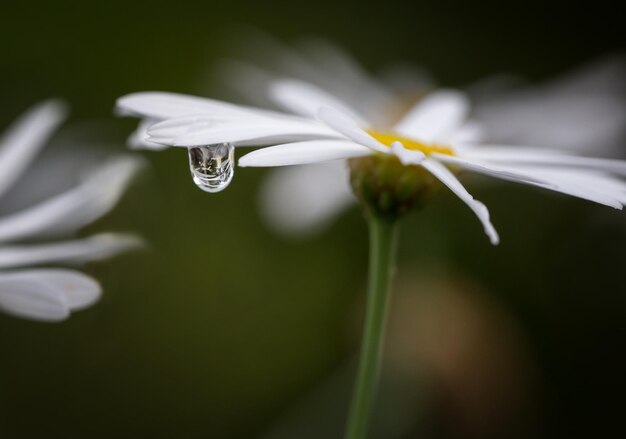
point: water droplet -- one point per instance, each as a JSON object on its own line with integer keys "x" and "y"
{"x": 212, "y": 166}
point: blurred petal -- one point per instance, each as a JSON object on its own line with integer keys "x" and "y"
{"x": 468, "y": 134}
{"x": 46, "y": 294}
{"x": 447, "y": 178}
{"x": 435, "y": 117}
{"x": 304, "y": 200}
{"x": 583, "y": 111}
{"x": 306, "y": 99}
{"x": 75, "y": 208}
{"x": 247, "y": 80}
{"x": 300, "y": 153}
{"x": 23, "y": 140}
{"x": 94, "y": 248}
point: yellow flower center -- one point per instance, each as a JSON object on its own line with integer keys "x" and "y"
{"x": 388, "y": 138}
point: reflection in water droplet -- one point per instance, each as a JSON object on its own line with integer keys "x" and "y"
{"x": 212, "y": 166}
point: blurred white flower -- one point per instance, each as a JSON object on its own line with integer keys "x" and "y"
{"x": 51, "y": 294}
{"x": 433, "y": 134}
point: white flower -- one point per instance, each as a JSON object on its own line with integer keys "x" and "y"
{"x": 51, "y": 294}
{"x": 433, "y": 135}
{"x": 583, "y": 111}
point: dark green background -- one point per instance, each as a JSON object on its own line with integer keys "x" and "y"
{"x": 219, "y": 326}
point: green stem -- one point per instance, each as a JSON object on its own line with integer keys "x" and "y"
{"x": 382, "y": 232}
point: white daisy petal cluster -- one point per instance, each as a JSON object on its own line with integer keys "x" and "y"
{"x": 434, "y": 135}
{"x": 51, "y": 294}
{"x": 583, "y": 111}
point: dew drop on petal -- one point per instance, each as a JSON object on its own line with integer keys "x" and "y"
{"x": 212, "y": 166}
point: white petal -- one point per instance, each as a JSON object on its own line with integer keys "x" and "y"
{"x": 301, "y": 153}
{"x": 583, "y": 110}
{"x": 240, "y": 129}
{"x": 533, "y": 176}
{"x": 162, "y": 105}
{"x": 46, "y": 294}
{"x": 435, "y": 117}
{"x": 31, "y": 299}
{"x": 446, "y": 177}
{"x": 350, "y": 128}
{"x": 468, "y": 134}
{"x": 589, "y": 186}
{"x": 305, "y": 99}
{"x": 341, "y": 76}
{"x": 513, "y": 155}
{"x": 304, "y": 200}
{"x": 342, "y": 69}
{"x": 23, "y": 140}
{"x": 94, "y": 248}
{"x": 74, "y": 208}
{"x": 488, "y": 168}
{"x": 247, "y": 80}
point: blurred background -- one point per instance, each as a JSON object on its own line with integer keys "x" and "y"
{"x": 223, "y": 329}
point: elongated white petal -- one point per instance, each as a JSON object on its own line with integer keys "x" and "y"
{"x": 435, "y": 117}
{"x": 46, "y": 294}
{"x": 532, "y": 176}
{"x": 444, "y": 175}
{"x": 162, "y": 105}
{"x": 589, "y": 186}
{"x": 538, "y": 158}
{"x": 350, "y": 128}
{"x": 241, "y": 130}
{"x": 306, "y": 99}
{"x": 74, "y": 208}
{"x": 23, "y": 140}
{"x": 487, "y": 168}
{"x": 304, "y": 200}
{"x": 300, "y": 153}
{"x": 497, "y": 153}
{"x": 94, "y": 248}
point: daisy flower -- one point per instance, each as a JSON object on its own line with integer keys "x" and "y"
{"x": 27, "y": 289}
{"x": 434, "y": 136}
{"x": 583, "y": 111}
{"x": 392, "y": 168}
